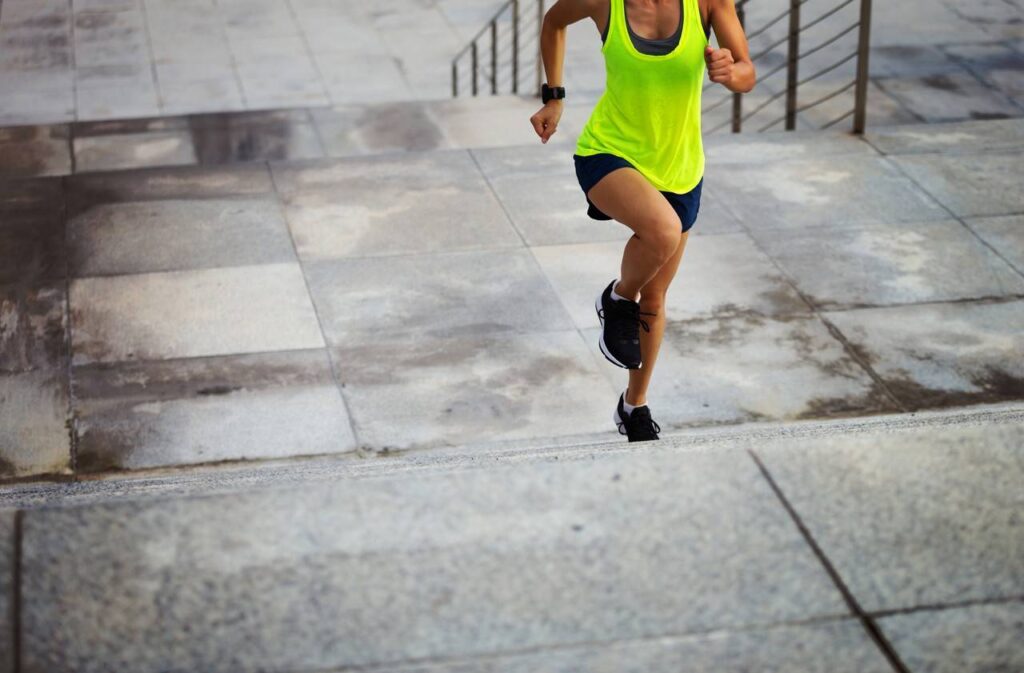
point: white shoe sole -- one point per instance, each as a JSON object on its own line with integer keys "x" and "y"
{"x": 600, "y": 340}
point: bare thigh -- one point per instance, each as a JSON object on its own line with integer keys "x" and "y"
{"x": 624, "y": 194}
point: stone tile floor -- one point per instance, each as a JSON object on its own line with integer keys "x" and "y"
{"x": 405, "y": 297}
{"x": 68, "y": 60}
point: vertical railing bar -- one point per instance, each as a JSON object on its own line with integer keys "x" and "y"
{"x": 737, "y": 98}
{"x": 474, "y": 59}
{"x": 515, "y": 46}
{"x": 455, "y": 79}
{"x": 791, "y": 63}
{"x": 540, "y": 55}
{"x": 860, "y": 95}
{"x": 494, "y": 56}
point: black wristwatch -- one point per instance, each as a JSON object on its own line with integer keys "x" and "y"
{"x": 549, "y": 92}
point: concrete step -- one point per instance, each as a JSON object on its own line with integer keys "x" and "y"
{"x": 770, "y": 547}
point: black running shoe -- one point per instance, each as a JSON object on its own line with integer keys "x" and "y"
{"x": 638, "y": 424}
{"x": 621, "y": 323}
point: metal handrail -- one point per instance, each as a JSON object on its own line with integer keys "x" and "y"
{"x": 484, "y": 49}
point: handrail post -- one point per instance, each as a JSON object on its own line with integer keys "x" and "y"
{"x": 540, "y": 53}
{"x": 474, "y": 66}
{"x": 791, "y": 63}
{"x": 737, "y": 98}
{"x": 494, "y": 56}
{"x": 455, "y": 79}
{"x": 860, "y": 96}
{"x": 515, "y": 46}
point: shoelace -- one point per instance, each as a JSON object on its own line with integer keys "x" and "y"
{"x": 641, "y": 423}
{"x": 630, "y": 329}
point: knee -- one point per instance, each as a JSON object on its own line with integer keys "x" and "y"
{"x": 664, "y": 237}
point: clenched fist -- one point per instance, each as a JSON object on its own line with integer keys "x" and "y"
{"x": 720, "y": 64}
{"x": 545, "y": 120}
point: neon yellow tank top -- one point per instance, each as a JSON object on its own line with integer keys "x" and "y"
{"x": 649, "y": 112}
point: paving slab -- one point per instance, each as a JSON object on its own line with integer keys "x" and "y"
{"x": 431, "y": 392}
{"x": 32, "y": 248}
{"x": 433, "y": 296}
{"x": 137, "y": 150}
{"x": 579, "y": 272}
{"x": 175, "y": 234}
{"x": 295, "y": 579}
{"x": 186, "y": 182}
{"x": 358, "y": 129}
{"x": 392, "y": 204}
{"x": 949, "y": 96}
{"x": 975, "y": 638}
{"x": 944, "y": 507}
{"x": 1005, "y": 234}
{"x": 230, "y": 139}
{"x": 885, "y": 264}
{"x": 33, "y": 327}
{"x": 942, "y": 354}
{"x": 34, "y": 438}
{"x": 824, "y": 192}
{"x": 740, "y": 148}
{"x": 752, "y": 368}
{"x": 825, "y": 647}
{"x": 182, "y": 412}
{"x": 508, "y": 122}
{"x": 193, "y": 313}
{"x": 31, "y": 194}
{"x": 7, "y": 555}
{"x": 34, "y": 151}
{"x": 948, "y": 137}
{"x": 970, "y": 184}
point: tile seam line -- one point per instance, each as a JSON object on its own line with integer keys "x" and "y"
{"x": 953, "y": 605}
{"x": 152, "y": 60}
{"x": 316, "y": 66}
{"x": 279, "y": 202}
{"x": 497, "y": 656}
{"x": 958, "y": 218}
{"x": 866, "y": 620}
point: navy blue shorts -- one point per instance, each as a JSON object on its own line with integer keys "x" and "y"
{"x": 590, "y": 169}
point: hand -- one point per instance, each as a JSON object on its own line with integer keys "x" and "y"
{"x": 720, "y": 63}
{"x": 545, "y": 120}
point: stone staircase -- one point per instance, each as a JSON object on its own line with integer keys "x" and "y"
{"x": 299, "y": 446}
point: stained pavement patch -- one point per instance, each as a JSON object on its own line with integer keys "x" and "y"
{"x": 193, "y": 313}
{"x": 182, "y": 412}
{"x": 944, "y": 354}
{"x": 430, "y": 392}
{"x": 175, "y": 234}
{"x": 882, "y": 264}
{"x": 34, "y": 433}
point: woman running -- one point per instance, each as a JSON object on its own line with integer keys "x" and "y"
{"x": 640, "y": 158}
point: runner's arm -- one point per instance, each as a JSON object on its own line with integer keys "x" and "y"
{"x": 739, "y": 75}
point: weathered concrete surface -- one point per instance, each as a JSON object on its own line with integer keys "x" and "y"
{"x": 527, "y": 556}
{"x": 34, "y": 151}
{"x": 34, "y": 436}
{"x": 825, "y": 647}
{"x": 177, "y": 234}
{"x": 972, "y": 136}
{"x": 944, "y": 507}
{"x": 975, "y": 638}
{"x": 941, "y": 354}
{"x": 193, "y": 313}
{"x": 884, "y": 264}
{"x": 970, "y": 184}
{"x": 432, "y": 392}
{"x": 433, "y": 297}
{"x": 750, "y": 368}
{"x": 827, "y": 193}
{"x": 1005, "y": 235}
{"x": 266, "y": 405}
{"x": 119, "y": 151}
